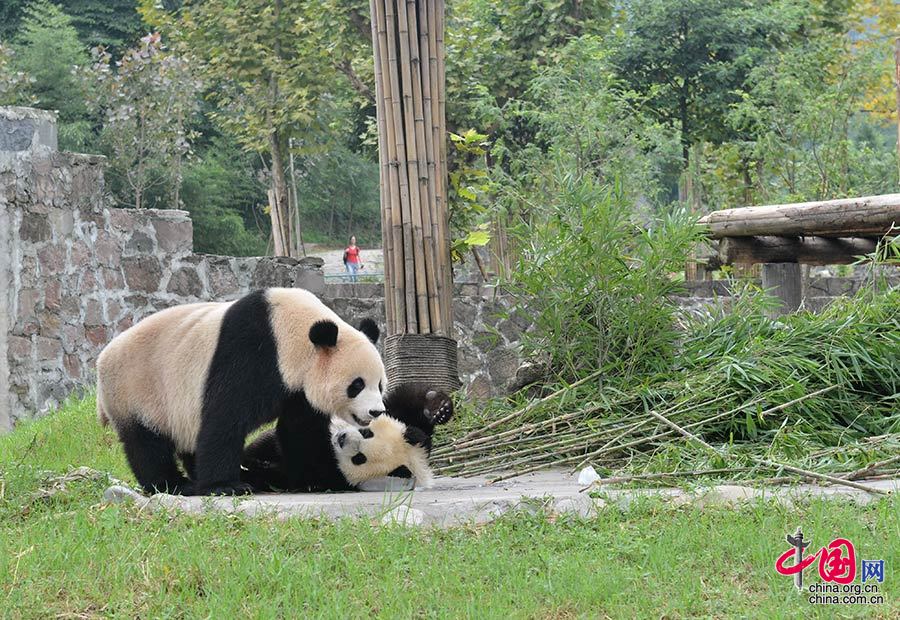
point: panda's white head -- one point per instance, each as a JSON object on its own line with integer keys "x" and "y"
{"x": 379, "y": 449}
{"x": 348, "y": 378}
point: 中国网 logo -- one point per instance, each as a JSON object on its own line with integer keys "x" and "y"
{"x": 837, "y": 570}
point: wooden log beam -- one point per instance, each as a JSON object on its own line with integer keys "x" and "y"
{"x": 847, "y": 217}
{"x": 804, "y": 250}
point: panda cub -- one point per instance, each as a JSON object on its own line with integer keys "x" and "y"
{"x": 308, "y": 452}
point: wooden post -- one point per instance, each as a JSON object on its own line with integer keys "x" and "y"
{"x": 408, "y": 49}
{"x": 783, "y": 280}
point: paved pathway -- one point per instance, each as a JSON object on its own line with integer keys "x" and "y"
{"x": 458, "y": 500}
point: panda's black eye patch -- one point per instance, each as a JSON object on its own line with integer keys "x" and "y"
{"x": 358, "y": 459}
{"x": 356, "y": 387}
{"x": 380, "y": 388}
{"x": 366, "y": 433}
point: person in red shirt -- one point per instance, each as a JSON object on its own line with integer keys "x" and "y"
{"x": 352, "y": 259}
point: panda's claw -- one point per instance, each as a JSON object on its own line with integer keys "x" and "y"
{"x": 441, "y": 405}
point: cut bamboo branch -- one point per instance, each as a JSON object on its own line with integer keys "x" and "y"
{"x": 847, "y": 217}
{"x": 769, "y": 463}
{"x": 419, "y": 291}
{"x": 391, "y": 201}
{"x": 526, "y": 408}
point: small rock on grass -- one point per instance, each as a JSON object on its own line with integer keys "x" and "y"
{"x": 403, "y": 515}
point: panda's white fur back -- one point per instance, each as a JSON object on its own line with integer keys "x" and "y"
{"x": 156, "y": 371}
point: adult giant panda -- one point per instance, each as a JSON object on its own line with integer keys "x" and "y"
{"x": 307, "y": 452}
{"x": 194, "y": 380}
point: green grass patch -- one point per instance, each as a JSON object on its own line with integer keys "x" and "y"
{"x": 70, "y": 556}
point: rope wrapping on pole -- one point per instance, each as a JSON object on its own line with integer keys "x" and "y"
{"x": 422, "y": 358}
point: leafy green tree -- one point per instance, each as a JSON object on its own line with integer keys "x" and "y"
{"x": 225, "y": 198}
{"x": 268, "y": 85}
{"x": 810, "y": 139}
{"x": 339, "y": 194}
{"x": 689, "y": 58}
{"x": 115, "y": 24}
{"x": 48, "y": 50}
{"x": 147, "y": 103}
{"x": 14, "y": 84}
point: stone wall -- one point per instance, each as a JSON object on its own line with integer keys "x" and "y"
{"x": 74, "y": 272}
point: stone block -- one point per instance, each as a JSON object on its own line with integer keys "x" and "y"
{"x": 313, "y": 280}
{"x": 19, "y": 348}
{"x": 48, "y": 348}
{"x": 174, "y": 235}
{"x": 52, "y": 259}
{"x": 80, "y": 254}
{"x": 139, "y": 243}
{"x": 93, "y": 313}
{"x": 72, "y": 364}
{"x": 52, "y": 295}
{"x": 35, "y": 228}
{"x": 142, "y": 273}
{"x": 503, "y": 362}
{"x": 112, "y": 278}
{"x": 479, "y": 388}
{"x": 62, "y": 221}
{"x": 222, "y": 280}
{"x": 25, "y": 129}
{"x": 97, "y": 336}
{"x": 114, "y": 310}
{"x": 185, "y": 282}
{"x": 107, "y": 250}
{"x": 71, "y": 337}
{"x": 28, "y": 300}
{"x": 50, "y": 324}
{"x": 273, "y": 271}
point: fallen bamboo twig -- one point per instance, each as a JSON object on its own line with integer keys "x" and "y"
{"x": 526, "y": 408}
{"x": 769, "y": 463}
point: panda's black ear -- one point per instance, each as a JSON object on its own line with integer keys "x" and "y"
{"x": 324, "y": 333}
{"x": 370, "y": 329}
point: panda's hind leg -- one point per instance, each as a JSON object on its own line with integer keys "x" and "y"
{"x": 152, "y": 459}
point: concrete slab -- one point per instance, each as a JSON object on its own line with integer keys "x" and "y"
{"x": 454, "y": 501}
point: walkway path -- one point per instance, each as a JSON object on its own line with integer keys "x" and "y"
{"x": 457, "y": 500}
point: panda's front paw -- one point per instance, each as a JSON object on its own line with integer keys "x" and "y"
{"x": 438, "y": 407}
{"x": 237, "y": 488}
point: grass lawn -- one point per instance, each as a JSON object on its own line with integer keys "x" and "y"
{"x": 68, "y": 556}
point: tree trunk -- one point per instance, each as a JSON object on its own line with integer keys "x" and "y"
{"x": 279, "y": 204}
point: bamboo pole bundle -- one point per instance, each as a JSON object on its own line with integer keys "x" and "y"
{"x": 409, "y": 73}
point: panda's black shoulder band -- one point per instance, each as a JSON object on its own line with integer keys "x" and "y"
{"x": 324, "y": 333}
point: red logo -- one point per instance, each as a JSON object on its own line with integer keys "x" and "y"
{"x": 837, "y": 560}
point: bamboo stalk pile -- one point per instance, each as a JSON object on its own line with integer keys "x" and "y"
{"x": 408, "y": 41}
{"x": 815, "y": 396}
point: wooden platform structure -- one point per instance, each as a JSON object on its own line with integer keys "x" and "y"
{"x": 783, "y": 237}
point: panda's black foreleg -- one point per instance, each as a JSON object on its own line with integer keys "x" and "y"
{"x": 218, "y": 461}
{"x": 152, "y": 459}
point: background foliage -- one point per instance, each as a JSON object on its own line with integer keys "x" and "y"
{"x": 704, "y": 102}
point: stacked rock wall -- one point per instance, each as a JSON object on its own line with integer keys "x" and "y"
{"x": 74, "y": 272}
